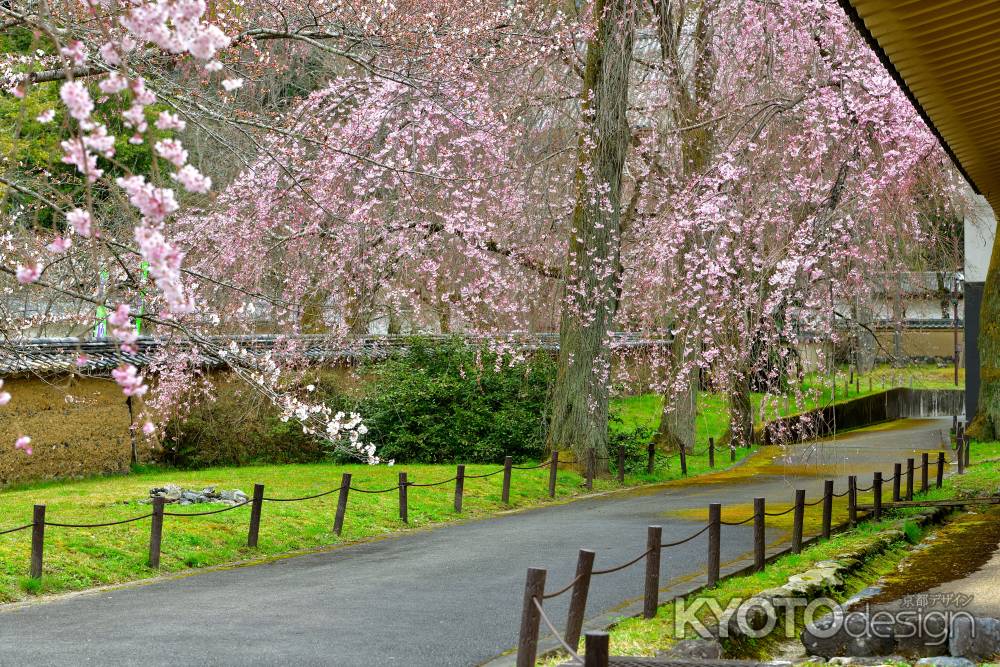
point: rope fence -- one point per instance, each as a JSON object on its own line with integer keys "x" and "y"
{"x": 533, "y": 614}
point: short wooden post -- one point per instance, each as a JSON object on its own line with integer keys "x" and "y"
{"x": 940, "y": 470}
{"x": 869, "y": 384}
{"x": 37, "y": 541}
{"x": 597, "y": 649}
{"x": 684, "y": 462}
{"x": 651, "y": 595}
{"x": 527, "y": 644}
{"x": 578, "y": 599}
{"x": 553, "y": 470}
{"x": 798, "y": 520}
{"x": 650, "y": 457}
{"x": 258, "y": 502}
{"x": 877, "y": 493}
{"x": 909, "y": 479}
{"x": 711, "y": 452}
{"x": 459, "y": 486}
{"x": 588, "y": 479}
{"x": 621, "y": 464}
{"x": 827, "y": 507}
{"x": 156, "y": 532}
{"x": 967, "y": 448}
{"x": 404, "y": 510}
{"x": 857, "y": 386}
{"x": 508, "y": 466}
{"x": 345, "y": 488}
{"x": 954, "y": 424}
{"x": 852, "y": 499}
{"x": 732, "y": 454}
{"x": 960, "y": 455}
{"x": 714, "y": 542}
{"x": 924, "y": 473}
{"x": 897, "y": 478}
{"x": 758, "y": 534}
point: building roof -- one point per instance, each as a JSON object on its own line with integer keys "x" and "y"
{"x": 100, "y": 356}
{"x": 946, "y": 56}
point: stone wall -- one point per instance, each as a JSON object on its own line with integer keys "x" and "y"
{"x": 78, "y": 427}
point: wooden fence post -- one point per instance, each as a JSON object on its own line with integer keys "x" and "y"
{"x": 798, "y": 519}
{"x": 940, "y": 470}
{"x": 909, "y": 479}
{"x": 877, "y": 493}
{"x": 258, "y": 502}
{"x": 596, "y": 645}
{"x": 553, "y": 469}
{"x": 924, "y": 465}
{"x": 827, "y": 507}
{"x": 404, "y": 509}
{"x": 459, "y": 486}
{"x": 508, "y": 465}
{"x": 959, "y": 432}
{"x": 897, "y": 478}
{"x": 732, "y": 454}
{"x": 967, "y": 448}
{"x": 156, "y": 532}
{"x": 711, "y": 452}
{"x": 527, "y": 644}
{"x": 651, "y": 596}
{"x": 37, "y": 541}
{"x": 578, "y": 599}
{"x": 714, "y": 542}
{"x": 954, "y": 424}
{"x": 650, "y": 457}
{"x": 758, "y": 534}
{"x": 960, "y": 455}
{"x": 684, "y": 462}
{"x": 852, "y": 500}
{"x": 621, "y": 464}
{"x": 345, "y": 488}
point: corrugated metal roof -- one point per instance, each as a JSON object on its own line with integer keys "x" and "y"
{"x": 946, "y": 54}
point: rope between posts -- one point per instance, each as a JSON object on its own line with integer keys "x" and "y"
{"x": 14, "y": 530}
{"x": 415, "y": 484}
{"x": 224, "y": 509}
{"x": 865, "y": 489}
{"x": 489, "y": 474}
{"x": 540, "y": 465}
{"x": 622, "y": 567}
{"x": 780, "y": 513}
{"x": 391, "y": 488}
{"x": 549, "y": 596}
{"x": 737, "y": 523}
{"x": 295, "y": 500}
{"x": 815, "y": 502}
{"x": 538, "y": 605}
{"x": 686, "y": 539}
{"x": 97, "y": 525}
{"x": 841, "y": 495}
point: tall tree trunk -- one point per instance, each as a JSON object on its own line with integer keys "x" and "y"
{"x": 677, "y": 421}
{"x": 986, "y": 424}
{"x": 579, "y": 409}
{"x": 740, "y": 413}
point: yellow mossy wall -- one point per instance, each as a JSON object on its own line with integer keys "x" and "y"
{"x": 78, "y": 427}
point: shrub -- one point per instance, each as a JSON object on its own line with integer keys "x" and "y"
{"x": 448, "y": 402}
{"x": 237, "y": 427}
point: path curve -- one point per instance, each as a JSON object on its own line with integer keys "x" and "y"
{"x": 446, "y": 596}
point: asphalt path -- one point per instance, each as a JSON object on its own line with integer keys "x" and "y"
{"x": 442, "y": 596}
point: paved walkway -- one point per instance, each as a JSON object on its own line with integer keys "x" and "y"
{"x": 447, "y": 596}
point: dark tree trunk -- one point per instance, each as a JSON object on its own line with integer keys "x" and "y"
{"x": 579, "y": 409}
